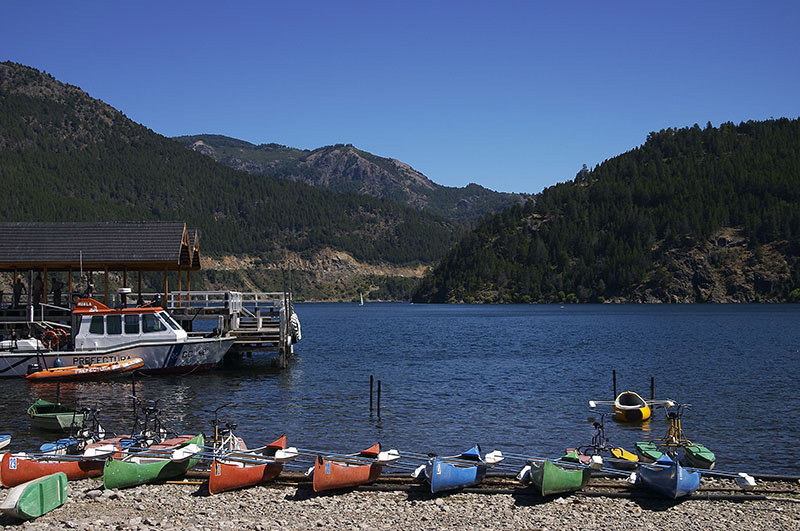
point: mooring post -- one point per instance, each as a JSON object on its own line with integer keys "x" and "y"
{"x": 652, "y": 388}
{"x": 370, "y": 392}
{"x": 614, "y": 372}
{"x": 379, "y": 399}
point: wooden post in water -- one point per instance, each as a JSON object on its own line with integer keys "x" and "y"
{"x": 652, "y": 388}
{"x": 614, "y": 372}
{"x": 370, "y": 393}
{"x": 379, "y": 399}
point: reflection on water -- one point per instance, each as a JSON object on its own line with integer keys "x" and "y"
{"x": 517, "y": 378}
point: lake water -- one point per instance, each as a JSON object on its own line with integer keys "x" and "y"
{"x": 515, "y": 378}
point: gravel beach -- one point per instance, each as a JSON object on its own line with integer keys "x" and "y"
{"x": 183, "y": 506}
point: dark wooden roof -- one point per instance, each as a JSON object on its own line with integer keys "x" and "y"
{"x": 135, "y": 245}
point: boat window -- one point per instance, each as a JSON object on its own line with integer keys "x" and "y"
{"x": 132, "y": 324}
{"x": 96, "y": 326}
{"x": 114, "y": 324}
{"x": 151, "y": 323}
{"x": 172, "y": 324}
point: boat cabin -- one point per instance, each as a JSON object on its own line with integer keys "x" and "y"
{"x": 98, "y": 326}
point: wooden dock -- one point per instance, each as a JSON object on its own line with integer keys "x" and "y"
{"x": 261, "y": 322}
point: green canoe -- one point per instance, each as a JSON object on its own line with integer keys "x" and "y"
{"x": 134, "y": 470}
{"x": 36, "y": 497}
{"x": 551, "y": 479}
{"x": 53, "y": 416}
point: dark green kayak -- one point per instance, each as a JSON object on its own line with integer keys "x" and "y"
{"x": 552, "y": 479}
{"x": 53, "y": 416}
{"x": 133, "y": 470}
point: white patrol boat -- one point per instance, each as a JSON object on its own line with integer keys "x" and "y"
{"x": 103, "y": 334}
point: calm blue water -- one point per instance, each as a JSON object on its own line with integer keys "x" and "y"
{"x": 515, "y": 378}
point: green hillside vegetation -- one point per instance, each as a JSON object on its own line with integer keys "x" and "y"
{"x": 67, "y": 157}
{"x": 619, "y": 227}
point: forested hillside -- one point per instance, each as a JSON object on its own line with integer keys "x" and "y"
{"x": 345, "y": 168}
{"x": 67, "y": 157}
{"x": 694, "y": 214}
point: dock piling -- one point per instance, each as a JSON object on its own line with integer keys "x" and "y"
{"x": 614, "y": 373}
{"x": 370, "y": 393}
{"x": 379, "y": 399}
{"x": 652, "y": 388}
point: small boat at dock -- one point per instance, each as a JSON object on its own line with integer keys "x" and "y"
{"x": 108, "y": 335}
{"x": 36, "y": 497}
{"x": 109, "y": 369}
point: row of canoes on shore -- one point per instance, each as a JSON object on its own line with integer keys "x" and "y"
{"x": 235, "y": 467}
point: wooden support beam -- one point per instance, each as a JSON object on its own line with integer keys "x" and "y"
{"x": 166, "y": 290}
{"x": 105, "y": 287}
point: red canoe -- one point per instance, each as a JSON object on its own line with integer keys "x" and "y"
{"x": 232, "y": 475}
{"x": 330, "y": 474}
{"x": 17, "y": 469}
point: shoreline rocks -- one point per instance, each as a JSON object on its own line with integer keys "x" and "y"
{"x": 181, "y": 506}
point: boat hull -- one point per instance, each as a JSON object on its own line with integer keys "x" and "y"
{"x": 630, "y": 407}
{"x": 330, "y": 475}
{"x": 15, "y": 470}
{"x": 120, "y": 474}
{"x": 231, "y": 475}
{"x": 49, "y": 416}
{"x": 445, "y": 476}
{"x": 669, "y": 479}
{"x": 158, "y": 357}
{"x": 550, "y": 479}
{"x": 36, "y": 497}
{"x": 87, "y": 372}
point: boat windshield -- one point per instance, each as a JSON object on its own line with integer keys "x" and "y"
{"x": 166, "y": 317}
{"x": 151, "y": 323}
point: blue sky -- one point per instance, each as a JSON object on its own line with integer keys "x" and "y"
{"x": 515, "y": 96}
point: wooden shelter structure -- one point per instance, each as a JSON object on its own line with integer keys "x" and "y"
{"x": 88, "y": 247}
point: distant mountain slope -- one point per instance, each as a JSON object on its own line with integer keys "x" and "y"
{"x": 344, "y": 168}
{"x": 67, "y": 156}
{"x": 692, "y": 215}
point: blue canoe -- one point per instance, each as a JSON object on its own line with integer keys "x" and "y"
{"x": 4, "y": 440}
{"x": 456, "y": 472}
{"x": 669, "y": 478}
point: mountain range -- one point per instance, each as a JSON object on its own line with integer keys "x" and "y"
{"x": 347, "y": 169}
{"x": 692, "y": 215}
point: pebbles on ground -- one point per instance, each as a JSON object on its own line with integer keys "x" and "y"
{"x": 174, "y": 506}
